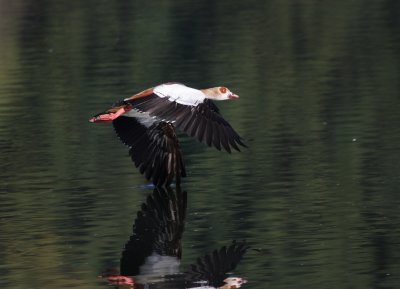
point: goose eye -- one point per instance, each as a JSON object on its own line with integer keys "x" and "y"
{"x": 222, "y": 89}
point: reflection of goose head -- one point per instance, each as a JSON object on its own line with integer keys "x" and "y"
{"x": 153, "y": 252}
{"x": 233, "y": 282}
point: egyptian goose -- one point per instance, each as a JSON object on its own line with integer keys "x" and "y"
{"x": 146, "y": 123}
{"x": 152, "y": 255}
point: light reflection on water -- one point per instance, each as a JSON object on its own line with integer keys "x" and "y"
{"x": 316, "y": 191}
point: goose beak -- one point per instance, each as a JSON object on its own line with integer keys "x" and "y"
{"x": 233, "y": 96}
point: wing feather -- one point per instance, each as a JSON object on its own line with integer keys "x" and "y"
{"x": 149, "y": 148}
{"x": 158, "y": 228}
{"x": 189, "y": 118}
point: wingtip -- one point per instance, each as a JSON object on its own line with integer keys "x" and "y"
{"x": 240, "y": 141}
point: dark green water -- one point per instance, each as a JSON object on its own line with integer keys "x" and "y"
{"x": 317, "y": 190}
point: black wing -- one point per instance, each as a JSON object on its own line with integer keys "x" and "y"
{"x": 155, "y": 150}
{"x": 203, "y": 122}
{"x": 214, "y": 267}
{"x": 158, "y": 229}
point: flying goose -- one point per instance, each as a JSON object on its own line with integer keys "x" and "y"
{"x": 146, "y": 122}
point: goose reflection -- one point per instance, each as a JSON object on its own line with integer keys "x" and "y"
{"x": 151, "y": 257}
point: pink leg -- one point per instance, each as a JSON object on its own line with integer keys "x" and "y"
{"x": 107, "y": 117}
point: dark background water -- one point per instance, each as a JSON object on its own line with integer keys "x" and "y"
{"x": 317, "y": 190}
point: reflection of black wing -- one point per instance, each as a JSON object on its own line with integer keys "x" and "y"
{"x": 154, "y": 150}
{"x": 203, "y": 121}
{"x": 158, "y": 230}
{"x": 214, "y": 267}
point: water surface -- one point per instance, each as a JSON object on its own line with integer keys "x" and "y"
{"x": 316, "y": 191}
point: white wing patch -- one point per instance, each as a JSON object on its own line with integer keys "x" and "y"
{"x": 143, "y": 117}
{"x": 180, "y": 93}
{"x": 160, "y": 265}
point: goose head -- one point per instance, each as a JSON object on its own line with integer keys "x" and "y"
{"x": 219, "y": 93}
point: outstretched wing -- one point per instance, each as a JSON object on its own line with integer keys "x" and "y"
{"x": 155, "y": 149}
{"x": 157, "y": 230}
{"x": 214, "y": 267}
{"x": 200, "y": 120}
